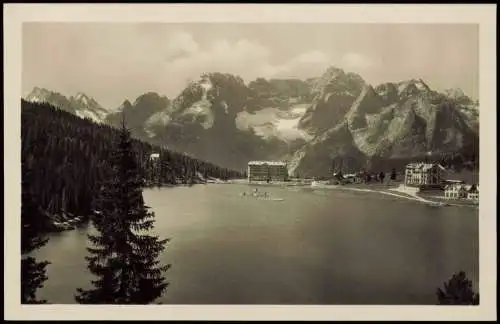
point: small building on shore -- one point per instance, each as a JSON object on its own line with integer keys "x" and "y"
{"x": 354, "y": 177}
{"x": 455, "y": 191}
{"x": 461, "y": 191}
{"x": 267, "y": 171}
{"x": 424, "y": 174}
{"x": 473, "y": 193}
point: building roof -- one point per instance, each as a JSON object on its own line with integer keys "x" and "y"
{"x": 454, "y": 181}
{"x": 277, "y": 163}
{"x": 424, "y": 166}
{"x": 467, "y": 187}
{"x": 460, "y": 186}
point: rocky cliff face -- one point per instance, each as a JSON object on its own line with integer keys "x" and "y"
{"x": 391, "y": 121}
{"x": 137, "y": 114}
{"x": 307, "y": 122}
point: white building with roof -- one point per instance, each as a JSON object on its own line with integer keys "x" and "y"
{"x": 267, "y": 171}
{"x": 419, "y": 174}
{"x": 461, "y": 191}
{"x": 473, "y": 192}
{"x": 455, "y": 191}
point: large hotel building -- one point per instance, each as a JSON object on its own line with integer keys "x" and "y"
{"x": 418, "y": 174}
{"x": 267, "y": 171}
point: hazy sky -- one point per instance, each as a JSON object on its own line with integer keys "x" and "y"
{"x": 113, "y": 62}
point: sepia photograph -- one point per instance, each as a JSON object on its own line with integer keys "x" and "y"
{"x": 242, "y": 163}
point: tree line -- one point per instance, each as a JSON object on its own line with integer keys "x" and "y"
{"x": 122, "y": 256}
{"x": 68, "y": 157}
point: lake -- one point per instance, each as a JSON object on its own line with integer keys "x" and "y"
{"x": 315, "y": 247}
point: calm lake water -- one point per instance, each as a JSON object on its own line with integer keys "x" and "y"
{"x": 316, "y": 247}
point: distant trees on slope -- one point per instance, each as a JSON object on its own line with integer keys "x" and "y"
{"x": 69, "y": 158}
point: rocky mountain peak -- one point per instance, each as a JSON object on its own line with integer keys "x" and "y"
{"x": 80, "y": 104}
{"x": 219, "y": 118}
{"x": 454, "y": 93}
{"x": 412, "y": 87}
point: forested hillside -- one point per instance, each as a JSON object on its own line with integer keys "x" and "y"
{"x": 68, "y": 157}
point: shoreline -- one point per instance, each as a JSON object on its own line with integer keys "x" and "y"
{"x": 393, "y": 191}
{"x": 398, "y": 192}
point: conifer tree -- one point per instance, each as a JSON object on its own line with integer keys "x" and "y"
{"x": 33, "y": 273}
{"x": 457, "y": 291}
{"x": 393, "y": 174}
{"x": 124, "y": 256}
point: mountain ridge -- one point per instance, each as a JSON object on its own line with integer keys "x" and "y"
{"x": 221, "y": 119}
{"x": 80, "y": 104}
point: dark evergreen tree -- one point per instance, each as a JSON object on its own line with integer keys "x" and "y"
{"x": 124, "y": 256}
{"x": 33, "y": 272}
{"x": 457, "y": 291}
{"x": 368, "y": 178}
{"x": 393, "y": 174}
{"x": 381, "y": 176}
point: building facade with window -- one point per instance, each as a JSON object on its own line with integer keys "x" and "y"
{"x": 473, "y": 193}
{"x": 267, "y": 171}
{"x": 455, "y": 191}
{"x": 461, "y": 191}
{"x": 421, "y": 174}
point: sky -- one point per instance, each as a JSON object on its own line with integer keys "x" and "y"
{"x": 116, "y": 61}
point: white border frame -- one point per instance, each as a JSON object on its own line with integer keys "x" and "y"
{"x": 484, "y": 15}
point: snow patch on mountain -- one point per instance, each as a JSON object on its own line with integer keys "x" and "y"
{"x": 87, "y": 107}
{"x": 83, "y": 98}
{"x": 274, "y": 123}
{"x": 90, "y": 115}
{"x": 160, "y": 118}
{"x": 34, "y": 97}
{"x": 203, "y": 109}
{"x": 54, "y": 98}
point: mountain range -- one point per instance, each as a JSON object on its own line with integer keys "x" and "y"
{"x": 309, "y": 123}
{"x": 81, "y": 105}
